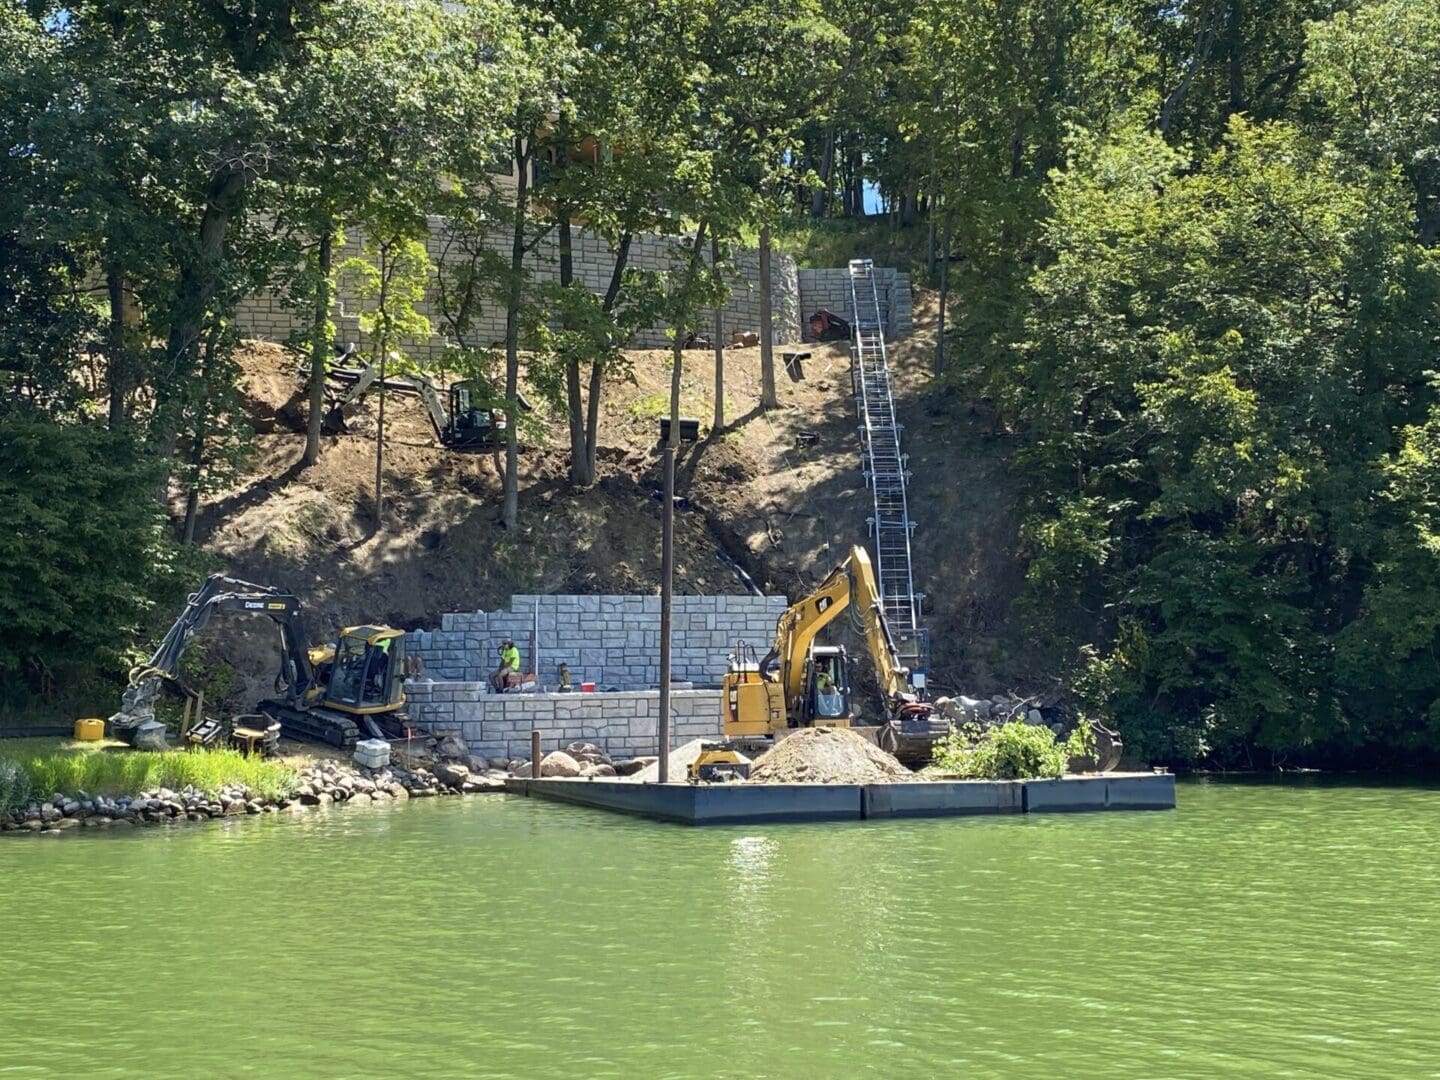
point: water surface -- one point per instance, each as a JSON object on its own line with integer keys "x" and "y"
{"x": 1262, "y": 929}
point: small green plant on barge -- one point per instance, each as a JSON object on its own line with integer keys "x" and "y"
{"x": 1013, "y": 751}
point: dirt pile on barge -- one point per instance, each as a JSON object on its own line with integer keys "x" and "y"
{"x": 828, "y": 756}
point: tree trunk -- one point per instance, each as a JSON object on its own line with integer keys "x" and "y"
{"x": 820, "y": 198}
{"x": 718, "y": 424}
{"x": 597, "y": 370}
{"x": 1235, "y": 44}
{"x": 677, "y": 354}
{"x": 199, "y": 275}
{"x": 194, "y": 290}
{"x": 857, "y": 181}
{"x": 574, "y": 403}
{"x": 944, "y": 300}
{"x": 383, "y": 345}
{"x": 768, "y": 398}
{"x": 511, "y": 512}
{"x": 319, "y": 342}
{"x": 118, "y": 371}
{"x": 197, "y": 450}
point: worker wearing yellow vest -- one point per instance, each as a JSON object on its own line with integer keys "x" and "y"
{"x": 509, "y": 664}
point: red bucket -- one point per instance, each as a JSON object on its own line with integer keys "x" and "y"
{"x": 587, "y": 687}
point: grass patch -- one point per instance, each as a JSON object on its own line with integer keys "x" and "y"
{"x": 110, "y": 771}
{"x": 654, "y": 406}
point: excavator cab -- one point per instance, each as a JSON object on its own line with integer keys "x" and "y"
{"x": 367, "y": 671}
{"x": 827, "y": 688}
{"x": 471, "y": 426}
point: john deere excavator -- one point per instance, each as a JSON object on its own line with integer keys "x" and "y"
{"x": 799, "y": 683}
{"x": 329, "y": 694}
{"x": 465, "y": 419}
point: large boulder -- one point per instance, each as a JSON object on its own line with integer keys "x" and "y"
{"x": 597, "y": 769}
{"x": 559, "y": 763}
{"x": 450, "y": 747}
{"x": 451, "y": 774}
{"x": 631, "y": 766}
{"x": 588, "y": 752}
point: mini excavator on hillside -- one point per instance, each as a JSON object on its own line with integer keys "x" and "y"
{"x": 465, "y": 418}
{"x": 329, "y": 694}
{"x": 799, "y": 683}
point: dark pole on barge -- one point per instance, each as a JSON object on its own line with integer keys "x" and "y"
{"x": 667, "y": 578}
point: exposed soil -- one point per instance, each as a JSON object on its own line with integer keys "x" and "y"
{"x": 784, "y": 512}
{"x": 828, "y": 756}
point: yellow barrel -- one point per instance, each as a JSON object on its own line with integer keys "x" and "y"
{"x": 90, "y": 730}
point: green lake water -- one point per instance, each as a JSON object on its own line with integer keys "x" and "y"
{"x": 1262, "y": 929}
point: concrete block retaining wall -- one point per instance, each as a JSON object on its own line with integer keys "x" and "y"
{"x": 830, "y": 288}
{"x": 499, "y": 725}
{"x": 607, "y": 640}
{"x": 266, "y": 315}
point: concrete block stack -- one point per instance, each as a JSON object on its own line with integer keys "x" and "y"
{"x": 612, "y": 641}
{"x": 267, "y": 316}
{"x": 830, "y": 288}
{"x": 499, "y": 725}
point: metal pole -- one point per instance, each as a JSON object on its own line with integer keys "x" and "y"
{"x": 667, "y": 578}
{"x": 534, "y": 754}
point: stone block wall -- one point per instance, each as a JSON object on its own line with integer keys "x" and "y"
{"x": 499, "y": 725}
{"x": 830, "y": 288}
{"x": 267, "y": 316}
{"x": 608, "y": 640}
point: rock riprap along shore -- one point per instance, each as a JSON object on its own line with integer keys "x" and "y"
{"x": 321, "y": 784}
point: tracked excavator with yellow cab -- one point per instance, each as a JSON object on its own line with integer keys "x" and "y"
{"x": 330, "y": 693}
{"x": 800, "y": 683}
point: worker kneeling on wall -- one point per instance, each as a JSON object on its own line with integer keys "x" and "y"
{"x": 509, "y": 665}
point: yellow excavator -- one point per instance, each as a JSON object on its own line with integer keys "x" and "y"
{"x": 330, "y": 693}
{"x": 799, "y": 683}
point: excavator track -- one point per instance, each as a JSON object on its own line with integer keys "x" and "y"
{"x": 313, "y": 725}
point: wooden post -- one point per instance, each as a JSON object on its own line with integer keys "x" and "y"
{"x": 534, "y": 754}
{"x": 185, "y": 717}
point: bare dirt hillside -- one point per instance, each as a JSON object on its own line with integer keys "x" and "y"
{"x": 784, "y": 512}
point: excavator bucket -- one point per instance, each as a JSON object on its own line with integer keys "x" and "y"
{"x": 911, "y": 736}
{"x": 1106, "y": 754}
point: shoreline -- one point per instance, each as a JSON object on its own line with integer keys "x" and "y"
{"x": 323, "y": 783}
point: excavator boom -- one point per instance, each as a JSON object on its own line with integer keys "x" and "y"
{"x": 357, "y": 685}
{"x": 225, "y": 595}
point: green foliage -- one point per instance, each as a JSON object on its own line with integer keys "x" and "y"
{"x": 83, "y": 555}
{"x": 130, "y": 772}
{"x": 1217, "y": 366}
{"x": 15, "y": 786}
{"x": 1013, "y": 751}
{"x": 389, "y": 282}
{"x": 1372, "y": 73}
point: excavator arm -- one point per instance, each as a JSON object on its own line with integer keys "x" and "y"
{"x": 228, "y": 596}
{"x": 850, "y": 585}
{"x": 910, "y": 727}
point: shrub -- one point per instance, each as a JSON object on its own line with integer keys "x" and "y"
{"x": 14, "y": 786}
{"x": 1014, "y": 751}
